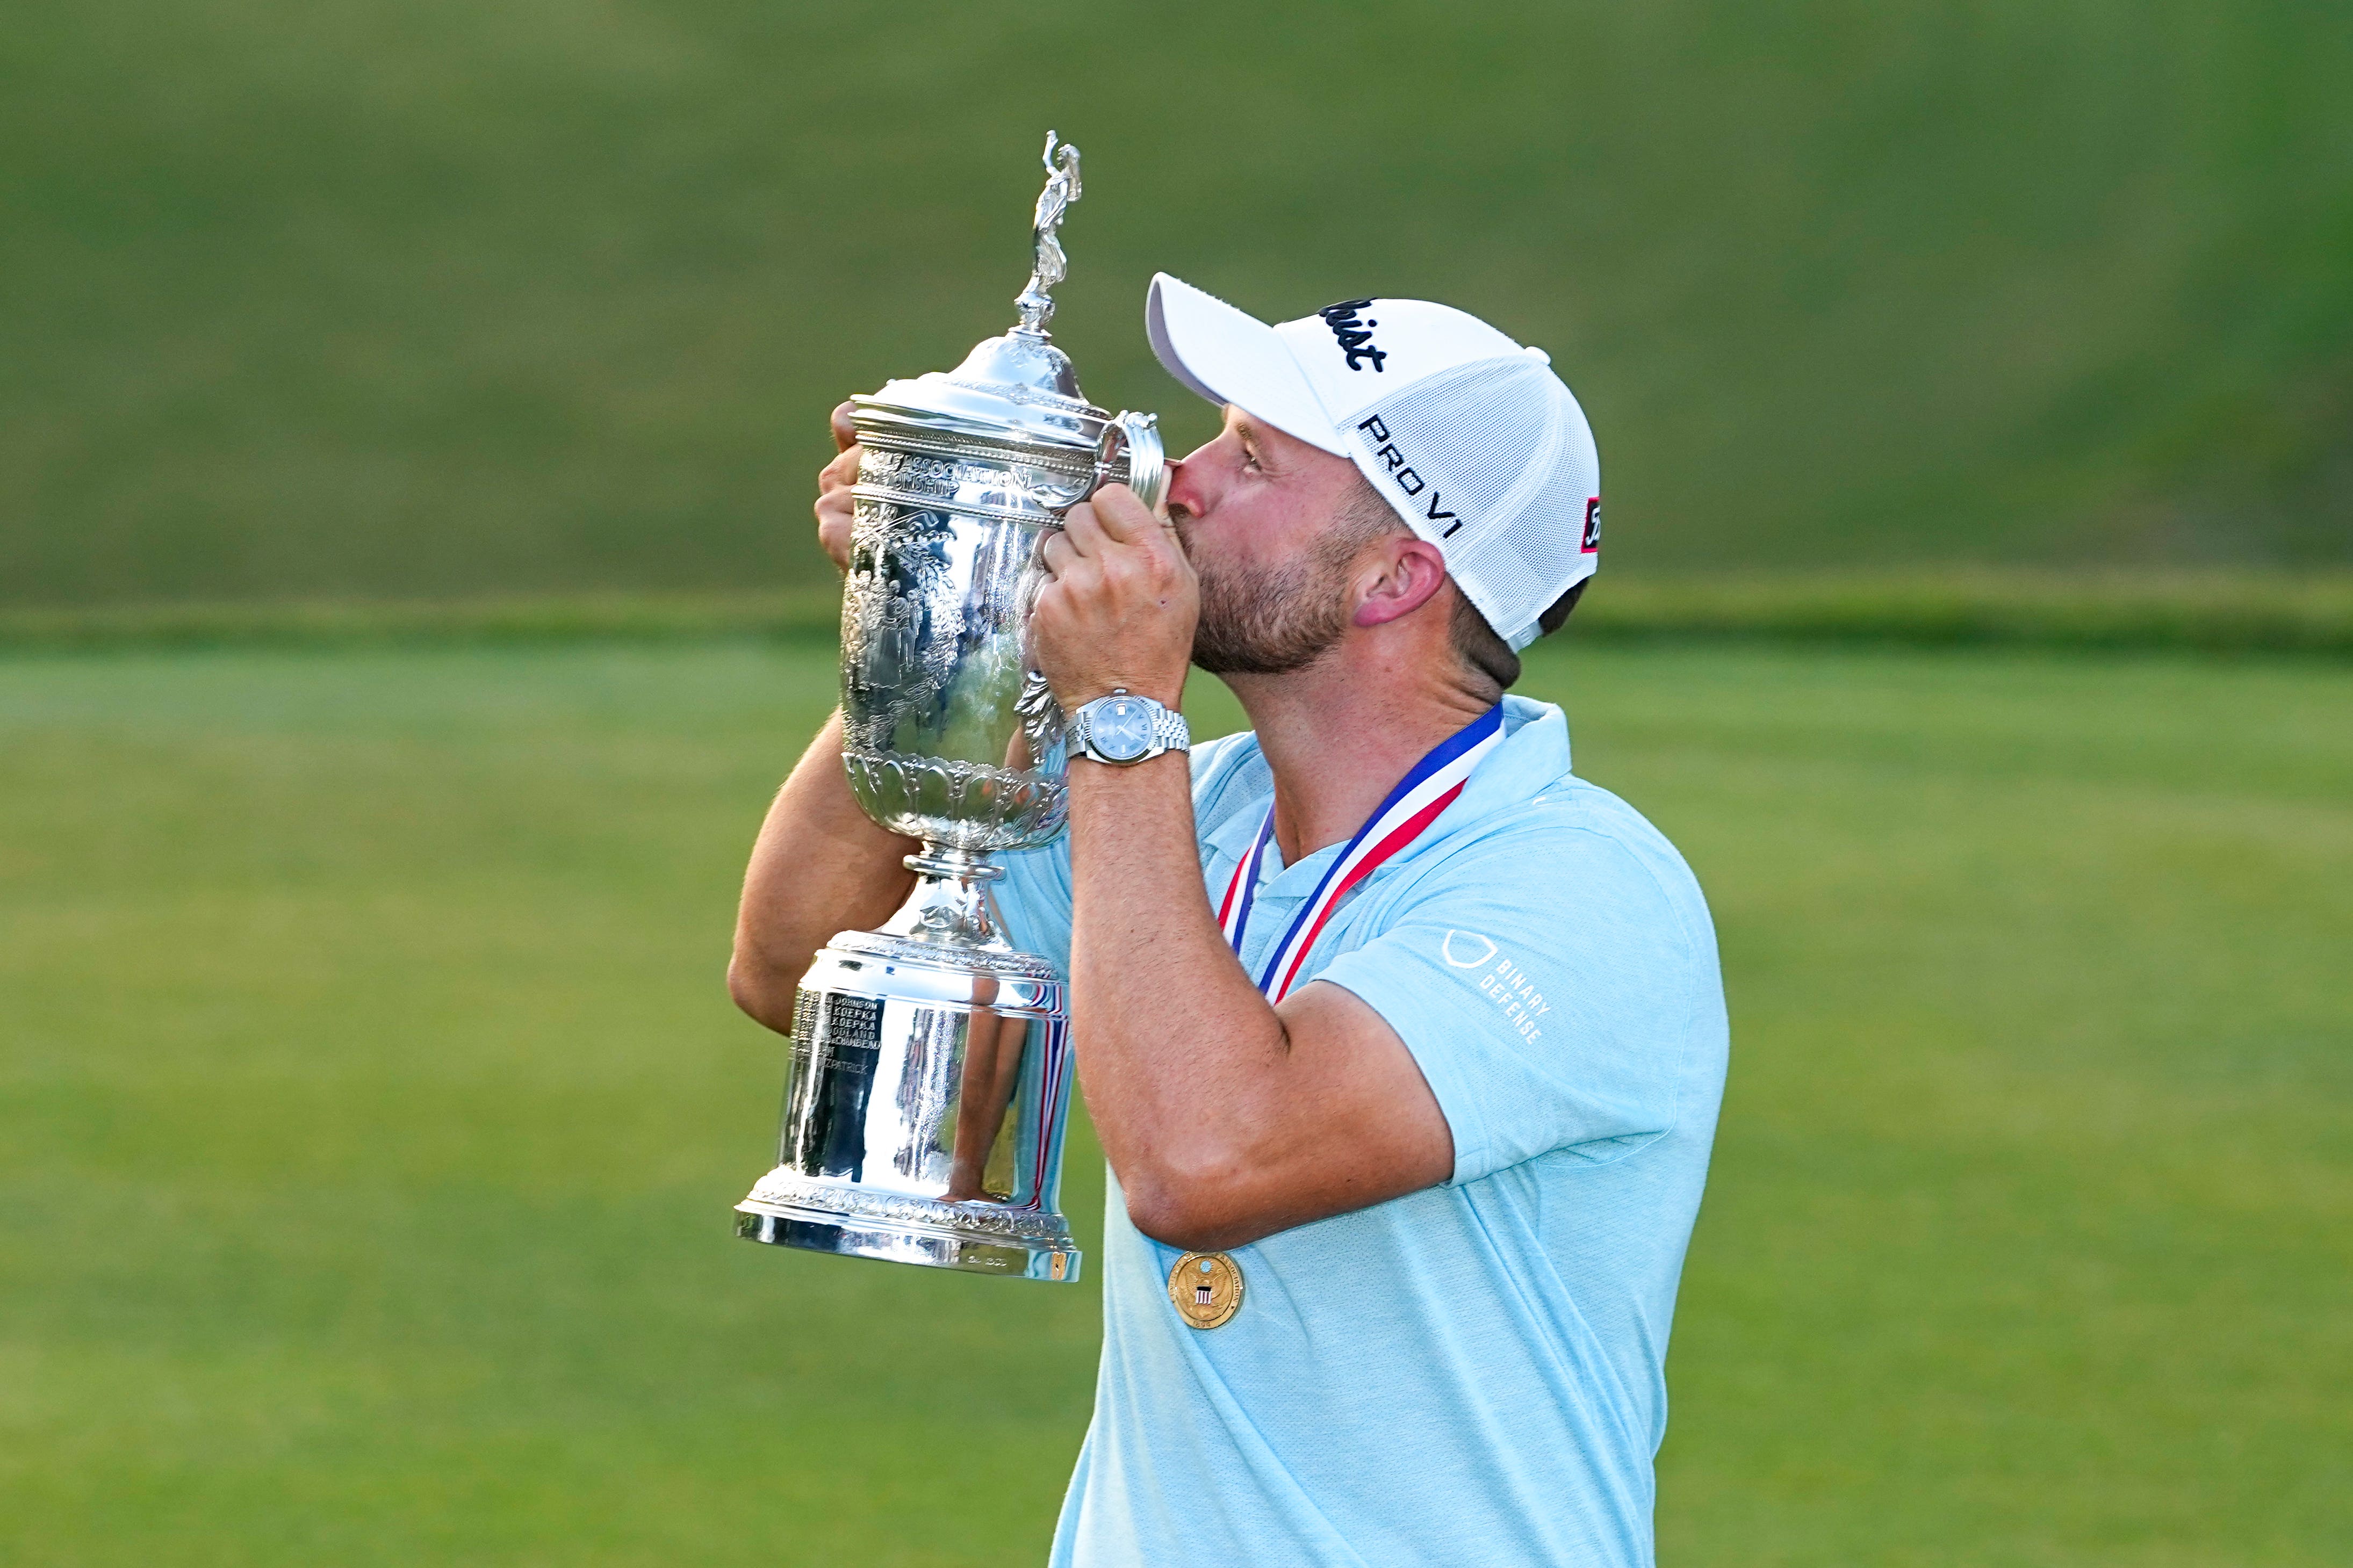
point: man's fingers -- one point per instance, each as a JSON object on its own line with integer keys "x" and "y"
{"x": 841, "y": 472}
{"x": 845, "y": 434}
{"x": 1124, "y": 515}
{"x": 1067, "y": 569}
{"x": 836, "y": 521}
{"x": 1119, "y": 540}
{"x": 1084, "y": 529}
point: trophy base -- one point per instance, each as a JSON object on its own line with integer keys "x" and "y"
{"x": 928, "y": 1093}
{"x": 933, "y": 1243}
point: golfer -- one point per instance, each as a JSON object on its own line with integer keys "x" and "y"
{"x": 1405, "y": 1043}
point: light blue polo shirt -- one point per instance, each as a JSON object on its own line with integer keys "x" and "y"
{"x": 1473, "y": 1374}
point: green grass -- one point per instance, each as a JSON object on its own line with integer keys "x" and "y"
{"x": 370, "y": 1109}
{"x": 2276, "y": 612}
{"x": 418, "y": 298}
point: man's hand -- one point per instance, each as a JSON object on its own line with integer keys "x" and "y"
{"x": 1121, "y": 605}
{"x": 836, "y": 508}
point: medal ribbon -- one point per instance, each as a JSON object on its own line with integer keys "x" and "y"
{"x": 1046, "y": 1157}
{"x": 1412, "y": 806}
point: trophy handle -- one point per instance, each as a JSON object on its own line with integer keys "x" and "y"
{"x": 1130, "y": 454}
{"x": 1042, "y": 716}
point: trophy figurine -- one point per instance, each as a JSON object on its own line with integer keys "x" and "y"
{"x": 930, "y": 1075}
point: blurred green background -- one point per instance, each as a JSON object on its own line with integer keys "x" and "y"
{"x": 372, "y": 1107}
{"x": 370, "y": 1103}
{"x": 362, "y": 297}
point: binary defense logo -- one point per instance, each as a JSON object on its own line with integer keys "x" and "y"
{"x": 1387, "y": 454}
{"x": 1504, "y": 983}
{"x": 1466, "y": 949}
{"x": 1592, "y": 526}
{"x": 1355, "y": 336}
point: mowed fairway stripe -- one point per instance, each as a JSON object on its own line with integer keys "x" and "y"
{"x": 370, "y": 1108}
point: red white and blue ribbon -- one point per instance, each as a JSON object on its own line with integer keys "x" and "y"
{"x": 1046, "y": 1158}
{"x": 1410, "y": 807}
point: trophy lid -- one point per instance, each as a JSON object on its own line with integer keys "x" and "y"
{"x": 1018, "y": 390}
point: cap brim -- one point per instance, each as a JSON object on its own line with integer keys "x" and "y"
{"x": 1230, "y": 356}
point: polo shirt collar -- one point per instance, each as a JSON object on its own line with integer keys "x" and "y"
{"x": 1533, "y": 754}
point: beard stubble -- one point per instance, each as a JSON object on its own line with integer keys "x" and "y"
{"x": 1271, "y": 620}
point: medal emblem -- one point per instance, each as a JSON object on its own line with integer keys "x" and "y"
{"x": 1206, "y": 1288}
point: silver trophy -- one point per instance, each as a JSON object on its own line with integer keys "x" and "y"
{"x": 931, "y": 1064}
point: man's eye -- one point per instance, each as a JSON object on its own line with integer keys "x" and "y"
{"x": 1249, "y": 458}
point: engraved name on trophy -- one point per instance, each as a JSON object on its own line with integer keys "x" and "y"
{"x": 929, "y": 1062}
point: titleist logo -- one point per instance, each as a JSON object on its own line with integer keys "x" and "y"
{"x": 1413, "y": 484}
{"x": 1355, "y": 336}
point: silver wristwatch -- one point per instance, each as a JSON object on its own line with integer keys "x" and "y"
{"x": 1123, "y": 728}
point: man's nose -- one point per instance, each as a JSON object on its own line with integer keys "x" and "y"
{"x": 1182, "y": 490}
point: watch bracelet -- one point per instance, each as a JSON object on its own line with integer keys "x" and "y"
{"x": 1169, "y": 730}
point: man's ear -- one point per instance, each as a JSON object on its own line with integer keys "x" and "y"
{"x": 1403, "y": 578}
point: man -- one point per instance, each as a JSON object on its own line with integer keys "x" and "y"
{"x": 1400, "y": 1197}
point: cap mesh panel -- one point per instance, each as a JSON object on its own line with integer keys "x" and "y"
{"x": 1501, "y": 444}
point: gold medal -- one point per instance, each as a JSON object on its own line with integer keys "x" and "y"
{"x": 1206, "y": 1288}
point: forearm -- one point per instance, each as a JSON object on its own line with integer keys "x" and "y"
{"x": 1181, "y": 1059}
{"x": 820, "y": 866}
{"x": 1225, "y": 1119}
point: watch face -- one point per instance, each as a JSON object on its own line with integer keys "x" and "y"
{"x": 1120, "y": 728}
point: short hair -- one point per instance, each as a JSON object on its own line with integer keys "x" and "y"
{"x": 1483, "y": 654}
{"x": 1480, "y": 649}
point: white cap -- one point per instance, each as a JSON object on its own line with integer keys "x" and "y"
{"x": 1477, "y": 444}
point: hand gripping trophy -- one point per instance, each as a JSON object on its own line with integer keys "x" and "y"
{"x": 929, "y": 1075}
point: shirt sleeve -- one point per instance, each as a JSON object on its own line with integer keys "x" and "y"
{"x": 1034, "y": 897}
{"x": 1545, "y": 983}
